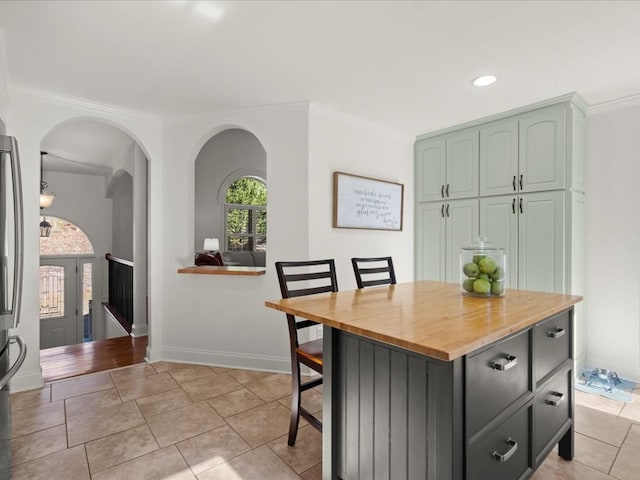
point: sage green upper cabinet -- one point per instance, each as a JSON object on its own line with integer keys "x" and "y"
{"x": 542, "y": 150}
{"x": 525, "y": 153}
{"x": 447, "y": 166}
{"x": 499, "y": 158}
{"x": 430, "y": 169}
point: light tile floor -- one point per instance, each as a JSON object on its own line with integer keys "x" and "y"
{"x": 176, "y": 421}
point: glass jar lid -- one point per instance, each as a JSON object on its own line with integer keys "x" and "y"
{"x": 482, "y": 243}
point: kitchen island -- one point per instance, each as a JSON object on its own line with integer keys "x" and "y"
{"x": 421, "y": 382}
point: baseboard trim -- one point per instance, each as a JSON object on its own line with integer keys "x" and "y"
{"x": 24, "y": 381}
{"x": 220, "y": 359}
{"x": 139, "y": 330}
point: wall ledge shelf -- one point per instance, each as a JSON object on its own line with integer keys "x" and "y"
{"x": 224, "y": 270}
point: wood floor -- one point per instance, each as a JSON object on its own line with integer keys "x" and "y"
{"x": 72, "y": 360}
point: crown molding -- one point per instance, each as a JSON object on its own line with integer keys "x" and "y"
{"x": 572, "y": 98}
{"x": 613, "y": 105}
{"x": 83, "y": 104}
{"x": 242, "y": 112}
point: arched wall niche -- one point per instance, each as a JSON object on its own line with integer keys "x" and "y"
{"x": 229, "y": 154}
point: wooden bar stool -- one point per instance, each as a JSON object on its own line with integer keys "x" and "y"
{"x": 317, "y": 276}
{"x": 375, "y": 270}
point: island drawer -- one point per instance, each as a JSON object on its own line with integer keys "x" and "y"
{"x": 496, "y": 378}
{"x": 552, "y": 344}
{"x": 502, "y": 454}
{"x": 551, "y": 409}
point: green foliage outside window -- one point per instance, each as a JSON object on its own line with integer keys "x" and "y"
{"x": 246, "y": 224}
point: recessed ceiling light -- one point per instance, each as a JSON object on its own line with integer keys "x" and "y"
{"x": 484, "y": 80}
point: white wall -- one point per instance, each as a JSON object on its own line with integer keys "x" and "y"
{"x": 222, "y": 320}
{"x": 122, "y": 233}
{"x": 612, "y": 298}
{"x": 30, "y": 117}
{"x": 342, "y": 143}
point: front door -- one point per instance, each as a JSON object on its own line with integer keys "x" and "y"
{"x": 59, "y": 316}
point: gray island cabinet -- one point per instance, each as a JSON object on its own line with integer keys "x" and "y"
{"x": 421, "y": 382}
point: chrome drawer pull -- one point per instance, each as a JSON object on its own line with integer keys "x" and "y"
{"x": 503, "y": 457}
{"x": 556, "y": 399}
{"x": 512, "y": 361}
{"x": 557, "y": 333}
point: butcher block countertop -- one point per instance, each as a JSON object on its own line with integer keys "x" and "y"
{"x": 430, "y": 318}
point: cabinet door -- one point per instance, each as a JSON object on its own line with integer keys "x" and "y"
{"x": 541, "y": 242}
{"x": 499, "y": 158}
{"x": 430, "y": 241}
{"x": 462, "y": 164}
{"x": 542, "y": 149}
{"x": 430, "y": 169}
{"x": 462, "y": 226}
{"x": 499, "y": 223}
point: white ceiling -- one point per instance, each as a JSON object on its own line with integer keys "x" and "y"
{"x": 404, "y": 64}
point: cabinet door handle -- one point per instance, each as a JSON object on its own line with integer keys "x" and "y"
{"x": 514, "y": 183}
{"x": 442, "y": 210}
{"x": 447, "y": 190}
{"x": 447, "y": 209}
{"x": 503, "y": 457}
{"x": 511, "y": 361}
{"x": 513, "y": 203}
{"x": 557, "y": 333}
{"x": 556, "y": 399}
{"x": 442, "y": 190}
{"x": 521, "y": 211}
{"x": 520, "y": 182}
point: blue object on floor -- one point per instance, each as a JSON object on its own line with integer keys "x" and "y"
{"x": 606, "y": 383}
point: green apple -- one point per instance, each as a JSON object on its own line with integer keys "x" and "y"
{"x": 471, "y": 270}
{"x": 477, "y": 258}
{"x": 481, "y": 286}
{"x": 498, "y": 273}
{"x": 467, "y": 285}
{"x": 484, "y": 276}
{"x": 487, "y": 265}
{"x": 497, "y": 288}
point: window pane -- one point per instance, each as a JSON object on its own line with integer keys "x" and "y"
{"x": 237, "y": 244}
{"x": 237, "y": 220}
{"x": 51, "y": 292}
{"x": 87, "y": 299}
{"x": 66, "y": 239}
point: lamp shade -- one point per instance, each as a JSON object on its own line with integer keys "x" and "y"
{"x": 46, "y": 199}
{"x": 211, "y": 245}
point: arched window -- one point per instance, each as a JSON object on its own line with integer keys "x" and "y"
{"x": 66, "y": 239}
{"x": 245, "y": 216}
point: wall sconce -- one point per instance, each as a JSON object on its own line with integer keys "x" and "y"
{"x": 211, "y": 245}
{"x": 46, "y": 199}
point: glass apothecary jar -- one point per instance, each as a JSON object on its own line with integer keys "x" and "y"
{"x": 484, "y": 269}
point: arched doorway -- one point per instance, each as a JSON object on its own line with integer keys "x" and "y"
{"x": 67, "y": 283}
{"x": 85, "y": 164}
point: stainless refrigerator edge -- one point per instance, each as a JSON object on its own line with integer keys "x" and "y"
{"x": 11, "y": 261}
